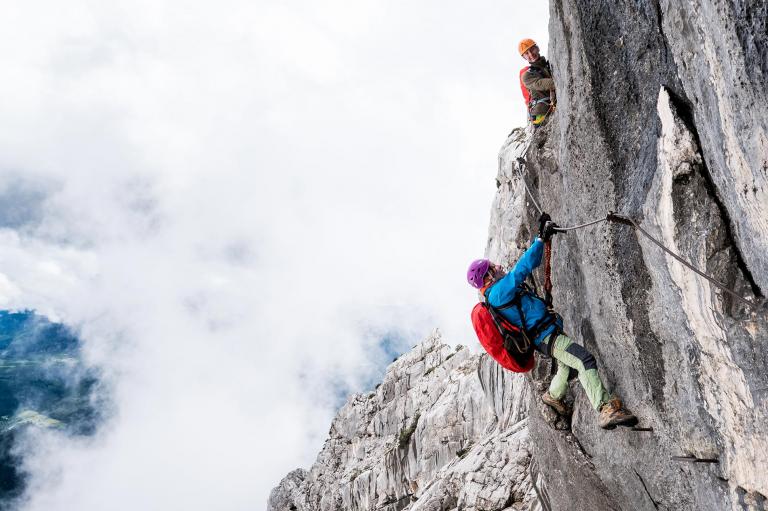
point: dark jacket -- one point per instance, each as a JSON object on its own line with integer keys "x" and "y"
{"x": 538, "y": 80}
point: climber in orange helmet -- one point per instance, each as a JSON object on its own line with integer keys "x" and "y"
{"x": 536, "y": 82}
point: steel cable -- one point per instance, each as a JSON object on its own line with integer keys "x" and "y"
{"x": 593, "y": 222}
{"x": 612, "y": 217}
{"x": 626, "y": 220}
{"x": 525, "y": 184}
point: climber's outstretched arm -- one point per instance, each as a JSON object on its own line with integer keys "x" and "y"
{"x": 507, "y": 287}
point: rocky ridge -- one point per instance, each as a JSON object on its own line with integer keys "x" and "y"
{"x": 446, "y": 429}
{"x": 662, "y": 117}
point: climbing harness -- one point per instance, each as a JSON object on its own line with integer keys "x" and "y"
{"x": 535, "y": 102}
{"x": 517, "y": 340}
{"x": 625, "y": 220}
{"x": 536, "y": 120}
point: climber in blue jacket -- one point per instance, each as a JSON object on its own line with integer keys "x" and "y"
{"x": 545, "y": 328}
{"x": 539, "y": 322}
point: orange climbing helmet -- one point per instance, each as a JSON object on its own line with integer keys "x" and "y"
{"x": 525, "y": 45}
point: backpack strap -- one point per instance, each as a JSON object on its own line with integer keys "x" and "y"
{"x": 548, "y": 320}
{"x": 535, "y": 102}
{"x": 519, "y": 342}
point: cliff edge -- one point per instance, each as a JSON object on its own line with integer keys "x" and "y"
{"x": 662, "y": 117}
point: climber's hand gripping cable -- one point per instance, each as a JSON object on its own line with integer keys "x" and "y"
{"x": 547, "y": 228}
{"x": 550, "y": 229}
{"x": 543, "y": 220}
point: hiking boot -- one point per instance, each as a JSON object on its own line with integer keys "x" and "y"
{"x": 613, "y": 414}
{"x": 558, "y": 404}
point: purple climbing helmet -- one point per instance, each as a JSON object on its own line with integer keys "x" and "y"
{"x": 477, "y": 271}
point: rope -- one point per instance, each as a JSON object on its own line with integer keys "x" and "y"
{"x": 628, "y": 221}
{"x": 521, "y": 162}
{"x": 548, "y": 273}
{"x": 565, "y": 229}
{"x": 613, "y": 217}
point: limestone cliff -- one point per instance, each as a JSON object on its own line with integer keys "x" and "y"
{"x": 662, "y": 117}
{"x": 445, "y": 430}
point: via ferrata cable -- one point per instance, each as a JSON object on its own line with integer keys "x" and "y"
{"x": 620, "y": 219}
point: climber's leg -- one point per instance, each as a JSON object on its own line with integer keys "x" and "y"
{"x": 559, "y": 385}
{"x": 557, "y": 389}
{"x": 569, "y": 354}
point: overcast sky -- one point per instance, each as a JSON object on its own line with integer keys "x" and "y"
{"x": 244, "y": 208}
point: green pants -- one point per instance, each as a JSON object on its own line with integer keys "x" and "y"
{"x": 571, "y": 355}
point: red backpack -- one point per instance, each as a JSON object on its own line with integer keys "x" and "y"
{"x": 507, "y": 343}
{"x": 524, "y": 89}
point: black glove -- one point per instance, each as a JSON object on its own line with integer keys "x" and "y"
{"x": 550, "y": 229}
{"x": 543, "y": 219}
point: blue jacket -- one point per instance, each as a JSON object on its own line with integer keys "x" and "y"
{"x": 503, "y": 291}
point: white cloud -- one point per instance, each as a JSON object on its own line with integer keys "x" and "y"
{"x": 238, "y": 202}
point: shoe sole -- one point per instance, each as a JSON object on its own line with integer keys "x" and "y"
{"x": 628, "y": 422}
{"x": 562, "y": 414}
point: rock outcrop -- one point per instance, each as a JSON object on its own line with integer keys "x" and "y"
{"x": 445, "y": 430}
{"x": 662, "y": 117}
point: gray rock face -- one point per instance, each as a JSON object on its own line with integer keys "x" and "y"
{"x": 445, "y": 430}
{"x": 662, "y": 117}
